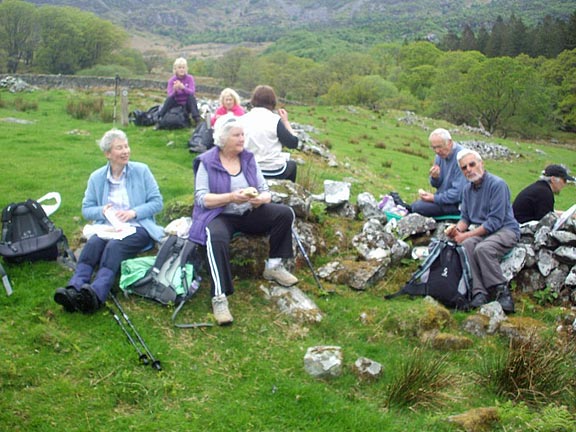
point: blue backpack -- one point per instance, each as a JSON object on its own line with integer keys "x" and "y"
{"x": 444, "y": 275}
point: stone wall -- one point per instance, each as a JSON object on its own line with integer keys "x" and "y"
{"x": 87, "y": 82}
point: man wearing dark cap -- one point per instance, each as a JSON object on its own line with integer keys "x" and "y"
{"x": 537, "y": 200}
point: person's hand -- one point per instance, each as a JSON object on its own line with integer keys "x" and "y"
{"x": 283, "y": 114}
{"x": 239, "y": 197}
{"x": 434, "y": 171}
{"x": 426, "y": 196}
{"x": 178, "y": 85}
{"x": 262, "y": 198}
{"x": 125, "y": 215}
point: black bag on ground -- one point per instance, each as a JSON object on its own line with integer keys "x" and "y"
{"x": 444, "y": 275}
{"x": 29, "y": 235}
{"x": 202, "y": 138}
{"x": 172, "y": 279}
{"x": 145, "y": 118}
{"x": 175, "y": 118}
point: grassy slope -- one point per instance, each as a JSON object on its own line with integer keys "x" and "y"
{"x": 71, "y": 372}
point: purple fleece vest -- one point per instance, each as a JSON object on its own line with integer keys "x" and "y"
{"x": 219, "y": 182}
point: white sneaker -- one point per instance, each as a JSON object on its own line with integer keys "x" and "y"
{"x": 280, "y": 275}
{"x": 220, "y": 310}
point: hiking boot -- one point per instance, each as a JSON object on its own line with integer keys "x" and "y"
{"x": 87, "y": 300}
{"x": 280, "y": 275}
{"x": 399, "y": 201}
{"x": 478, "y": 300}
{"x": 220, "y": 310}
{"x": 67, "y": 298}
{"x": 504, "y": 297}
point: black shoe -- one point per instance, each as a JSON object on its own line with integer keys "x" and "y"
{"x": 399, "y": 201}
{"x": 478, "y": 300}
{"x": 67, "y": 298}
{"x": 88, "y": 300}
{"x": 504, "y": 297}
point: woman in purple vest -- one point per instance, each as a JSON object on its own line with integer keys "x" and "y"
{"x": 231, "y": 195}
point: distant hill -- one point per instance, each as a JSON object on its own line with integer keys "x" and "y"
{"x": 198, "y": 21}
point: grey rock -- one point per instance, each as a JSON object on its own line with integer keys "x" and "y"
{"x": 323, "y": 361}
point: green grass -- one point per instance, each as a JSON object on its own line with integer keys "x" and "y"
{"x": 74, "y": 372}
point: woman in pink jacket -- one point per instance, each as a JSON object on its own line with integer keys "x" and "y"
{"x": 229, "y": 103}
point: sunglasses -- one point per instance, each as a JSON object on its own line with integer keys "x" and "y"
{"x": 470, "y": 165}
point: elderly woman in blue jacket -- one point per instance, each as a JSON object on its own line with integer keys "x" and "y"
{"x": 123, "y": 191}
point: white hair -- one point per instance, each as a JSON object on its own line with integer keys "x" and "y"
{"x": 465, "y": 152}
{"x": 222, "y": 128}
{"x": 109, "y": 137}
{"x": 442, "y": 133}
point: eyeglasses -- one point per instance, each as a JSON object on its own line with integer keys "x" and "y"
{"x": 470, "y": 165}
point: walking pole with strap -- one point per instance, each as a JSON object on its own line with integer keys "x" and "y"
{"x": 155, "y": 363}
{"x": 5, "y": 281}
{"x": 305, "y": 255}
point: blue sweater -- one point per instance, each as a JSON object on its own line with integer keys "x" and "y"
{"x": 451, "y": 181}
{"x": 489, "y": 205}
{"x": 143, "y": 194}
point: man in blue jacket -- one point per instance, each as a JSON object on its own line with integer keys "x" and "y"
{"x": 487, "y": 230}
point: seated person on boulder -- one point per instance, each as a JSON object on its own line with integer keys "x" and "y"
{"x": 445, "y": 176}
{"x": 230, "y": 196}
{"x": 229, "y": 104}
{"x": 487, "y": 230}
{"x": 131, "y": 192}
{"x": 537, "y": 199}
{"x": 181, "y": 91}
{"x": 267, "y": 131}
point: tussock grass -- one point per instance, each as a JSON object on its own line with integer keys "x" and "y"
{"x": 534, "y": 371}
{"x": 421, "y": 382}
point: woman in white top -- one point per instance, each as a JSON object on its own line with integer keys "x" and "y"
{"x": 266, "y": 132}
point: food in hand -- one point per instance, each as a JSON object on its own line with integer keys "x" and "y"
{"x": 449, "y": 229}
{"x": 251, "y": 192}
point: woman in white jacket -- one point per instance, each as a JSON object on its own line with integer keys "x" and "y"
{"x": 266, "y": 132}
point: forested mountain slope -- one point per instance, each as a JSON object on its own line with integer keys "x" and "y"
{"x": 266, "y": 20}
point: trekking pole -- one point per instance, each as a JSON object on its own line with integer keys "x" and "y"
{"x": 155, "y": 363}
{"x": 301, "y": 247}
{"x": 141, "y": 356}
{"x": 116, "y": 81}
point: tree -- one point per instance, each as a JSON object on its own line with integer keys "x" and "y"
{"x": 468, "y": 41}
{"x": 449, "y": 84}
{"x": 494, "y": 45}
{"x": 560, "y": 73}
{"x": 17, "y": 31}
{"x": 227, "y": 68}
{"x": 503, "y": 91}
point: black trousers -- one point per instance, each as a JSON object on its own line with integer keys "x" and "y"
{"x": 191, "y": 106}
{"x": 275, "y": 220}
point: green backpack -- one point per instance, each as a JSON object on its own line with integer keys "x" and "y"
{"x": 169, "y": 278}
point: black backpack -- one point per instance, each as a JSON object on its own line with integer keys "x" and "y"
{"x": 202, "y": 138}
{"x": 171, "y": 277}
{"x": 29, "y": 235}
{"x": 175, "y": 118}
{"x": 145, "y": 118}
{"x": 444, "y": 275}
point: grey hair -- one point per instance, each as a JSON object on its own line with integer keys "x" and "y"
{"x": 465, "y": 152}
{"x": 109, "y": 137}
{"x": 223, "y": 127}
{"x": 546, "y": 178}
{"x": 442, "y": 133}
